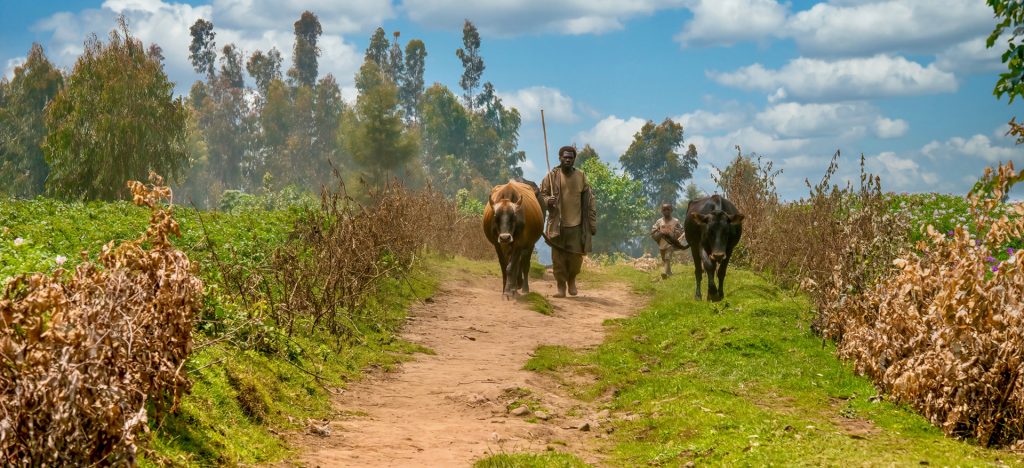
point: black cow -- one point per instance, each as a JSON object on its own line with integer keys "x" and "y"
{"x": 712, "y": 228}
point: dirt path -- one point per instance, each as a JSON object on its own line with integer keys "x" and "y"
{"x": 449, "y": 409}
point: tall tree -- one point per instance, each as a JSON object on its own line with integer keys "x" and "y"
{"x": 395, "y": 65}
{"x": 377, "y": 51}
{"x": 116, "y": 120}
{"x": 264, "y": 68}
{"x": 203, "y": 50}
{"x": 623, "y": 215}
{"x": 503, "y": 158}
{"x": 412, "y": 79}
{"x": 586, "y": 154}
{"x": 231, "y": 67}
{"x": 472, "y": 62}
{"x": 327, "y": 109}
{"x": 373, "y": 132}
{"x": 304, "y": 58}
{"x": 23, "y": 169}
{"x": 653, "y": 160}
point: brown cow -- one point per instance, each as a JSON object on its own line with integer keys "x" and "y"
{"x": 513, "y": 222}
{"x": 712, "y": 227}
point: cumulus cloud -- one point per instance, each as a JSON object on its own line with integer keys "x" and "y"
{"x": 529, "y": 101}
{"x": 839, "y": 27}
{"x": 971, "y": 56}
{"x": 864, "y": 28}
{"x": 336, "y": 17}
{"x": 793, "y": 119}
{"x": 611, "y": 136}
{"x": 978, "y": 146}
{"x": 168, "y": 23}
{"x": 512, "y": 17}
{"x": 808, "y": 79}
{"x": 726, "y": 22}
{"x": 890, "y": 128}
{"x": 702, "y": 121}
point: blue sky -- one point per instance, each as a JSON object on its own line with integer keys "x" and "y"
{"x": 907, "y": 83}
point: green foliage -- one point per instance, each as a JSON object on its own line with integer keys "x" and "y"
{"x": 472, "y": 62}
{"x": 622, "y": 215}
{"x": 653, "y": 160}
{"x": 115, "y": 121}
{"x": 373, "y": 132}
{"x": 23, "y": 169}
{"x": 468, "y": 205}
{"x": 741, "y": 382}
{"x": 692, "y": 193}
{"x": 1010, "y": 16}
{"x": 395, "y": 66}
{"x": 306, "y": 52}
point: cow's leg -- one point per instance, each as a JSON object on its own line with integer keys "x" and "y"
{"x": 709, "y": 268}
{"x": 698, "y": 272}
{"x": 512, "y": 275}
{"x": 721, "y": 278}
{"x": 524, "y": 267}
{"x": 503, "y": 263}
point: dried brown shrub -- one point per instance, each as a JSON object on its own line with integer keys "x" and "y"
{"x": 944, "y": 332}
{"x": 346, "y": 249}
{"x": 83, "y": 355}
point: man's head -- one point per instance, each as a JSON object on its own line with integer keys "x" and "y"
{"x": 567, "y": 156}
{"x": 666, "y": 210}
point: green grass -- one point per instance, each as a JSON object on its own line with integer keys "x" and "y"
{"x": 539, "y": 303}
{"x": 740, "y": 382}
{"x": 531, "y": 460}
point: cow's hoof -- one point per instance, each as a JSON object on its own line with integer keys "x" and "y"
{"x": 526, "y": 290}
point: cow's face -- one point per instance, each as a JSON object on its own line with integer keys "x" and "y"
{"x": 716, "y": 227}
{"x": 506, "y": 215}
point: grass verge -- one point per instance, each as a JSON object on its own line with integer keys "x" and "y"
{"x": 531, "y": 460}
{"x": 741, "y": 382}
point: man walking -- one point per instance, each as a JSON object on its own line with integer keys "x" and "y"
{"x": 572, "y": 219}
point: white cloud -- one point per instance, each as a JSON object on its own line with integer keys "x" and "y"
{"x": 611, "y": 136}
{"x": 702, "y": 121}
{"x": 512, "y": 17}
{"x": 971, "y": 56}
{"x": 11, "y": 65}
{"x": 894, "y": 26}
{"x": 793, "y": 119}
{"x": 529, "y": 101}
{"x": 168, "y": 23}
{"x": 809, "y": 79}
{"x": 890, "y": 128}
{"x": 898, "y": 173}
{"x": 978, "y": 146}
{"x": 726, "y": 22}
{"x": 336, "y": 16}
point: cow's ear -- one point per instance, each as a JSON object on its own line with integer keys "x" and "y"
{"x": 698, "y": 218}
{"x": 736, "y": 219}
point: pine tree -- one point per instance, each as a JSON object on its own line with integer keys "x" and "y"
{"x": 472, "y": 62}
{"x": 373, "y": 132}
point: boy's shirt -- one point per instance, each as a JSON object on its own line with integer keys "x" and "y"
{"x": 671, "y": 227}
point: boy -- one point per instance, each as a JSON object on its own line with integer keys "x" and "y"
{"x": 667, "y": 231}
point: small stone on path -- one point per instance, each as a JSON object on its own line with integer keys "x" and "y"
{"x": 521, "y": 411}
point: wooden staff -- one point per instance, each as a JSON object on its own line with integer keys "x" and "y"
{"x": 547, "y": 158}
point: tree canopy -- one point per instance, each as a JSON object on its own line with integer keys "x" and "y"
{"x": 654, "y": 159}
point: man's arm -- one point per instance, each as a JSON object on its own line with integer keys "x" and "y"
{"x": 545, "y": 191}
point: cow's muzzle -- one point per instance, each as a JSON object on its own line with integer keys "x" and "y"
{"x": 717, "y": 257}
{"x": 504, "y": 238}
